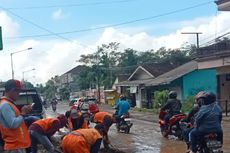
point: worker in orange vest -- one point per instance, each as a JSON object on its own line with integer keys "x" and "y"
{"x": 12, "y": 126}
{"x": 83, "y": 140}
{"x": 106, "y": 119}
{"x": 76, "y": 119}
{"x": 42, "y": 130}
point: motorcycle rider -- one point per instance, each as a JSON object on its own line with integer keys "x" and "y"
{"x": 173, "y": 105}
{"x": 122, "y": 108}
{"x": 199, "y": 100}
{"x": 208, "y": 120}
{"x": 54, "y": 104}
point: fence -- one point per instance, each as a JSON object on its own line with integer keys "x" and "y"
{"x": 225, "y": 105}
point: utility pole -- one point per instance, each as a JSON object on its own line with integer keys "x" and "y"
{"x": 197, "y": 37}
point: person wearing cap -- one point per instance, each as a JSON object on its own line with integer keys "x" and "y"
{"x": 12, "y": 126}
{"x": 106, "y": 119}
{"x": 76, "y": 119}
{"x": 42, "y": 130}
{"x": 83, "y": 140}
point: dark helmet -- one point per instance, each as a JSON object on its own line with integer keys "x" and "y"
{"x": 172, "y": 95}
{"x": 210, "y": 98}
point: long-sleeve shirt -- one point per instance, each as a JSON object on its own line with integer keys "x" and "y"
{"x": 8, "y": 117}
{"x": 123, "y": 107}
{"x": 50, "y": 132}
{"x": 209, "y": 118}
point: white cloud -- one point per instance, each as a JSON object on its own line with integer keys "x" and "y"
{"x": 55, "y": 57}
{"x": 9, "y": 27}
{"x": 58, "y": 15}
{"x": 209, "y": 26}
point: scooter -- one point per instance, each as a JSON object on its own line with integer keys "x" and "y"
{"x": 124, "y": 124}
{"x": 54, "y": 107}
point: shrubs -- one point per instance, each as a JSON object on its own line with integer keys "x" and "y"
{"x": 160, "y": 98}
{"x": 187, "y": 104}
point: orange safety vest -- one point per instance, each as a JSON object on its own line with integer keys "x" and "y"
{"x": 90, "y": 135}
{"x": 99, "y": 117}
{"x": 72, "y": 143}
{"x": 46, "y": 123}
{"x": 17, "y": 138}
{"x": 80, "y": 141}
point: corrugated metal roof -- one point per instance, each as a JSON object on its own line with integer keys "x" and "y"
{"x": 165, "y": 78}
{"x": 174, "y": 74}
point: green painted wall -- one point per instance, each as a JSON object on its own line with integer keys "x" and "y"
{"x": 199, "y": 80}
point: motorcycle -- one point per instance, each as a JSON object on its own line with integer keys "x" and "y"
{"x": 173, "y": 126}
{"x": 54, "y": 107}
{"x": 209, "y": 144}
{"x": 124, "y": 124}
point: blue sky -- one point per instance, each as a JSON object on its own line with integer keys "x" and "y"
{"x": 92, "y": 15}
{"x": 54, "y": 55}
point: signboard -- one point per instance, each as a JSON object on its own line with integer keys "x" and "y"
{"x": 133, "y": 89}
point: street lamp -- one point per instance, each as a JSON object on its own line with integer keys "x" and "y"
{"x": 25, "y": 72}
{"x": 11, "y": 56}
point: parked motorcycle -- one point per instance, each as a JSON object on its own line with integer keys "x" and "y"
{"x": 209, "y": 144}
{"x": 124, "y": 124}
{"x": 173, "y": 126}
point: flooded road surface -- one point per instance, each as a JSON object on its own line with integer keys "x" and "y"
{"x": 145, "y": 137}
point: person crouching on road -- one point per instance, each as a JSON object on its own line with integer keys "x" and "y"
{"x": 13, "y": 128}
{"x": 106, "y": 119}
{"x": 76, "y": 119}
{"x": 83, "y": 140}
{"x": 42, "y": 130}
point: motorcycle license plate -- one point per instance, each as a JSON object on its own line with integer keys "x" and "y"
{"x": 128, "y": 119}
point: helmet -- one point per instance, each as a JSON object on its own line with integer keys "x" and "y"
{"x": 172, "y": 95}
{"x": 199, "y": 98}
{"x": 210, "y": 98}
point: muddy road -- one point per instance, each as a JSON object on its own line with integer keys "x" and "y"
{"x": 145, "y": 136}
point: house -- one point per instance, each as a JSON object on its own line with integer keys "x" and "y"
{"x": 217, "y": 56}
{"x": 223, "y": 5}
{"x": 67, "y": 79}
{"x": 187, "y": 80}
{"x": 134, "y": 86}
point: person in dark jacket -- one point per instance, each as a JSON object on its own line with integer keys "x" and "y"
{"x": 208, "y": 120}
{"x": 199, "y": 100}
{"x": 173, "y": 105}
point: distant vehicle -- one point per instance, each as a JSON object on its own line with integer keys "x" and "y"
{"x": 90, "y": 104}
{"x": 76, "y": 101}
{"x": 27, "y": 97}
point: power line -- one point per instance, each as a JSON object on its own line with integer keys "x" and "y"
{"x": 213, "y": 40}
{"x": 69, "y": 5}
{"x": 113, "y": 25}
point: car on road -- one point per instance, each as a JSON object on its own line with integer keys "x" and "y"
{"x": 75, "y": 101}
{"x": 28, "y": 97}
{"x": 90, "y": 104}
